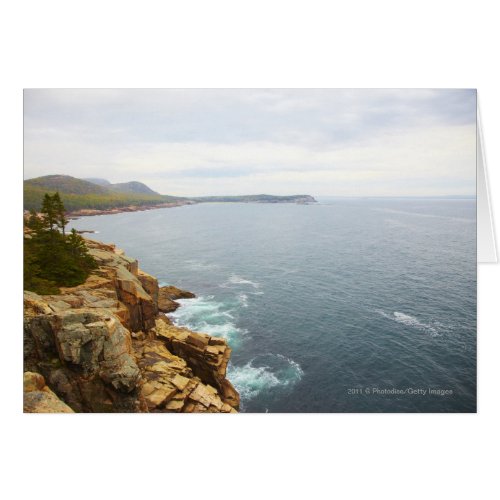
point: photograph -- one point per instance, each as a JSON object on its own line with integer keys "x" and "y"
{"x": 242, "y": 250}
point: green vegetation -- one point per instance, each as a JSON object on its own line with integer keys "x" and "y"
{"x": 65, "y": 184}
{"x": 79, "y": 194}
{"x": 52, "y": 258}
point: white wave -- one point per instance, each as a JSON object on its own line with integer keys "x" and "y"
{"x": 226, "y": 331}
{"x": 251, "y": 380}
{"x": 408, "y": 320}
{"x": 234, "y": 279}
{"x": 207, "y": 315}
{"x": 243, "y": 299}
{"x": 295, "y": 366}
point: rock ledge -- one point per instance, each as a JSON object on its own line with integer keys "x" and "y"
{"x": 106, "y": 346}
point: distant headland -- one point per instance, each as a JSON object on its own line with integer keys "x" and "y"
{"x": 95, "y": 196}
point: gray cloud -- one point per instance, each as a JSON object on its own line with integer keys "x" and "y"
{"x": 221, "y": 141}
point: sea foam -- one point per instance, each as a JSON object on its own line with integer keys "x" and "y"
{"x": 409, "y": 320}
{"x": 207, "y": 315}
{"x": 264, "y": 373}
{"x": 234, "y": 279}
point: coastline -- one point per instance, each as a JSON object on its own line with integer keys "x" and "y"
{"x": 89, "y": 212}
{"x": 107, "y": 346}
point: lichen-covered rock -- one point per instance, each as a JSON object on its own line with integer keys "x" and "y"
{"x": 99, "y": 345}
{"x": 33, "y": 382}
{"x": 38, "y": 398}
{"x": 34, "y": 305}
{"x": 86, "y": 353}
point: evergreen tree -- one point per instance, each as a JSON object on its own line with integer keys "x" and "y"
{"x": 34, "y": 222}
{"x": 48, "y": 211}
{"x": 59, "y": 212}
{"x": 52, "y": 258}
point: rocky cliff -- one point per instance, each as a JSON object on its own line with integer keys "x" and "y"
{"x": 106, "y": 346}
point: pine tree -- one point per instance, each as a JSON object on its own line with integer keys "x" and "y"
{"x": 34, "y": 222}
{"x": 48, "y": 211}
{"x": 59, "y": 212}
{"x": 52, "y": 259}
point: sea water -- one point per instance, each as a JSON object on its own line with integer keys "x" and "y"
{"x": 347, "y": 305}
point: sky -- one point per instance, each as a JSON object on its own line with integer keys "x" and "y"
{"x": 193, "y": 142}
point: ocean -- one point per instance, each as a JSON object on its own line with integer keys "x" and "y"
{"x": 347, "y": 305}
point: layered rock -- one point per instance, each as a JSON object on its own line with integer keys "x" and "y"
{"x": 207, "y": 356}
{"x": 103, "y": 347}
{"x": 170, "y": 385}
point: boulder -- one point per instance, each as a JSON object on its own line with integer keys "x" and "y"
{"x": 174, "y": 293}
{"x": 38, "y": 398}
{"x": 33, "y": 382}
{"x": 167, "y": 295}
{"x": 86, "y": 353}
{"x": 167, "y": 305}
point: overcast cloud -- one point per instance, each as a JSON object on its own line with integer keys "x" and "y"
{"x": 214, "y": 142}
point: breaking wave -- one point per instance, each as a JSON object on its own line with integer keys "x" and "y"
{"x": 406, "y": 319}
{"x": 264, "y": 373}
{"x": 207, "y": 315}
{"x": 234, "y": 279}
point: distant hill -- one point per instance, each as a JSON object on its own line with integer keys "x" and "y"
{"x": 65, "y": 184}
{"x": 98, "y": 181}
{"x": 80, "y": 194}
{"x": 123, "y": 187}
{"x": 132, "y": 187}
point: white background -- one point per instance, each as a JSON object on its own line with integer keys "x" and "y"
{"x": 245, "y": 44}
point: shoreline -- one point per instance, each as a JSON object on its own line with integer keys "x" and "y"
{"x": 89, "y": 212}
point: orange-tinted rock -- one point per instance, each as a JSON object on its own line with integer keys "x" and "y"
{"x": 167, "y": 295}
{"x": 100, "y": 347}
{"x": 207, "y": 356}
